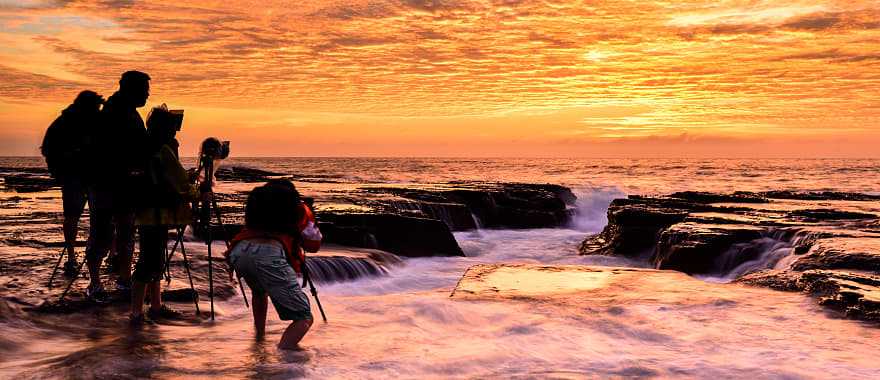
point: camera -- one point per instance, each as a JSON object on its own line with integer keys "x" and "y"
{"x": 162, "y": 117}
{"x": 214, "y": 149}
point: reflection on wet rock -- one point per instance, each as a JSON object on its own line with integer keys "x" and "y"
{"x": 723, "y": 237}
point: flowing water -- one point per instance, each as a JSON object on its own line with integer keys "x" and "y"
{"x": 405, "y": 324}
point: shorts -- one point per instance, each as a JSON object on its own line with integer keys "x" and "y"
{"x": 265, "y": 269}
{"x": 151, "y": 261}
{"x": 109, "y": 221}
{"x": 73, "y": 198}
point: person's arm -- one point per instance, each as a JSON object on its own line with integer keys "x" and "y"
{"x": 311, "y": 235}
{"x": 176, "y": 175}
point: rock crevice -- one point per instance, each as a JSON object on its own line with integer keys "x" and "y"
{"x": 826, "y": 244}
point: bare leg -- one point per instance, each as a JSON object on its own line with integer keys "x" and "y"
{"x": 70, "y": 225}
{"x": 259, "y": 306}
{"x": 138, "y": 293}
{"x": 73, "y": 199}
{"x": 124, "y": 243}
{"x": 294, "y": 333}
{"x": 94, "y": 271}
{"x": 100, "y": 236}
{"x": 155, "y": 296}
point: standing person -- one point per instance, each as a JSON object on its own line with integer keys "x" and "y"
{"x": 267, "y": 254}
{"x": 164, "y": 203}
{"x": 64, "y": 147}
{"x": 117, "y": 159}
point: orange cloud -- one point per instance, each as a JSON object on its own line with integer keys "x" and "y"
{"x": 445, "y": 77}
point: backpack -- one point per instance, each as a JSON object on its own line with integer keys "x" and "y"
{"x": 65, "y": 144}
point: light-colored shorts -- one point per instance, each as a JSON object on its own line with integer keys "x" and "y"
{"x": 265, "y": 269}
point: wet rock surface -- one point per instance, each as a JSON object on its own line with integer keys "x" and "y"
{"x": 826, "y": 244}
{"x": 398, "y": 234}
{"x": 29, "y": 183}
{"x": 684, "y": 246}
{"x": 244, "y": 174}
{"x": 856, "y": 295}
{"x": 418, "y": 220}
{"x": 493, "y": 205}
{"x": 366, "y": 228}
{"x": 837, "y": 252}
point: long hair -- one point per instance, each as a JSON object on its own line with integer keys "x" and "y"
{"x": 160, "y": 128}
{"x": 274, "y": 207}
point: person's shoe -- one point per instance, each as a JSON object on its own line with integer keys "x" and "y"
{"x": 110, "y": 264}
{"x": 164, "y": 312}
{"x": 123, "y": 286}
{"x": 71, "y": 268}
{"x": 97, "y": 294}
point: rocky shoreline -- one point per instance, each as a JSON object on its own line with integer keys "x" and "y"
{"x": 418, "y": 220}
{"x": 411, "y": 221}
{"x": 825, "y": 244}
{"x": 366, "y": 228}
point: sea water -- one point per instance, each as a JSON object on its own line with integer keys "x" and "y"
{"x": 406, "y": 325}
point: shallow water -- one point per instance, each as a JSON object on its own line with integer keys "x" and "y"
{"x": 406, "y": 324}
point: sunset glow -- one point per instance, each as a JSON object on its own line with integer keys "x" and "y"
{"x": 459, "y": 78}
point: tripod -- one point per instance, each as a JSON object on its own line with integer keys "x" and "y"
{"x": 72, "y": 280}
{"x": 307, "y": 279}
{"x": 58, "y": 264}
{"x": 209, "y": 207}
{"x": 170, "y": 254}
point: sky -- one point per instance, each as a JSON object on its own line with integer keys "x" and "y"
{"x": 501, "y": 78}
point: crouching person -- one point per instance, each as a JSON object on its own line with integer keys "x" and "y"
{"x": 268, "y": 254}
{"x": 164, "y": 203}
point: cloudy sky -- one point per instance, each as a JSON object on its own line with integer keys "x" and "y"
{"x": 464, "y": 78}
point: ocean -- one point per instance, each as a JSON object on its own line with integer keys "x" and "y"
{"x": 405, "y": 324}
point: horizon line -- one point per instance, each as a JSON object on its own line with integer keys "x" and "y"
{"x": 543, "y": 157}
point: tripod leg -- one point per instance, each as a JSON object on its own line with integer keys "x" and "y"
{"x": 169, "y": 255}
{"x": 317, "y": 300}
{"x": 209, "y": 178}
{"x": 57, "y": 264}
{"x": 210, "y": 269}
{"x": 211, "y": 280}
{"x": 219, "y": 219}
{"x": 188, "y": 272}
{"x": 307, "y": 280}
{"x": 243, "y": 295}
{"x": 70, "y": 284}
{"x": 223, "y": 227}
{"x": 217, "y": 213}
{"x": 167, "y": 269}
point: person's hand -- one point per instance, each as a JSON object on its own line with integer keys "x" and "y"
{"x": 192, "y": 174}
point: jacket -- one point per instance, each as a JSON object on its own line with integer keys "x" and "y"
{"x": 170, "y": 192}
{"x": 119, "y": 146}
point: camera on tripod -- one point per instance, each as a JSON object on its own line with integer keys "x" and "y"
{"x": 214, "y": 149}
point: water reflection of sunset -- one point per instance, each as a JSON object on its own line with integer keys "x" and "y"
{"x": 657, "y": 78}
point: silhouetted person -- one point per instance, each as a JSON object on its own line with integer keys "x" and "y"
{"x": 64, "y": 147}
{"x": 165, "y": 203}
{"x": 118, "y": 156}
